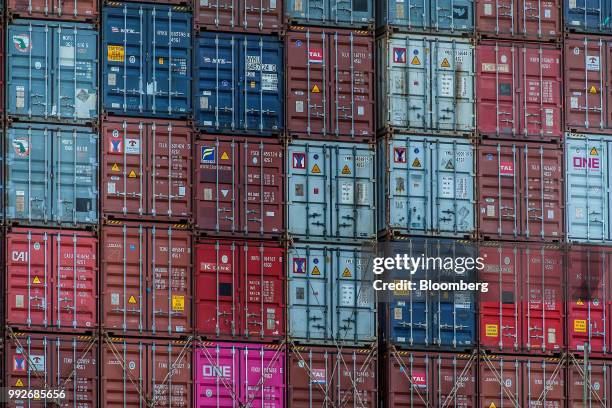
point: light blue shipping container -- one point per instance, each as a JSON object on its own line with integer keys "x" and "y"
{"x": 337, "y": 13}
{"x": 52, "y": 175}
{"x": 446, "y": 17}
{"x": 588, "y": 187}
{"x": 52, "y": 71}
{"x": 331, "y": 300}
{"x": 331, "y": 191}
{"x": 426, "y": 186}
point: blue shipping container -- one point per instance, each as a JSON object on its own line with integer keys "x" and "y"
{"x": 588, "y": 16}
{"x": 441, "y": 319}
{"x": 52, "y": 71}
{"x": 337, "y": 13}
{"x": 146, "y": 60}
{"x": 454, "y": 17}
{"x": 52, "y": 175}
{"x": 240, "y": 84}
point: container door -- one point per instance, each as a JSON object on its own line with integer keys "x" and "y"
{"x": 168, "y": 85}
{"x": 452, "y": 15}
{"x": 29, "y": 164}
{"x": 410, "y": 14}
{"x": 260, "y": 15}
{"x": 452, "y": 187}
{"x": 308, "y": 181}
{"x": 124, "y": 373}
{"x": 544, "y": 380}
{"x": 355, "y": 376}
{"x": 76, "y": 369}
{"x": 310, "y": 309}
{"x": 169, "y": 373}
{"x": 452, "y": 67}
{"x": 497, "y": 17}
{"x": 81, "y": 9}
{"x": 76, "y": 69}
{"x": 29, "y": 363}
{"x": 216, "y": 91}
{"x": 454, "y": 322}
{"x": 310, "y": 10}
{"x": 217, "y": 376}
{"x": 76, "y": 282}
{"x": 597, "y": 379}
{"x": 262, "y": 374}
{"x": 310, "y": 377}
{"x": 410, "y": 382}
{"x": 124, "y": 279}
{"x": 500, "y": 382}
{"x": 125, "y": 54}
{"x": 29, "y": 84}
{"x": 357, "y": 13}
{"x": 260, "y": 82}
{"x": 218, "y": 14}
{"x": 455, "y": 381}
{"x": 585, "y": 15}
{"x": 540, "y": 17}
{"x": 587, "y": 179}
{"x": 585, "y": 81}
{"x": 75, "y": 174}
{"x": 352, "y": 83}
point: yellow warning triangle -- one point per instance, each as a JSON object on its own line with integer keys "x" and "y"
{"x": 346, "y": 170}
{"x": 132, "y": 299}
{"x": 492, "y": 405}
{"x": 346, "y": 273}
{"x": 116, "y": 167}
{"x": 593, "y": 90}
{"x": 224, "y": 156}
{"x": 315, "y": 89}
{"x": 416, "y": 162}
{"x": 594, "y": 152}
{"x": 315, "y": 271}
{"x": 415, "y": 61}
{"x": 19, "y": 383}
{"x": 132, "y": 174}
{"x": 580, "y": 302}
{"x": 316, "y": 169}
{"x": 445, "y": 63}
{"x": 36, "y": 280}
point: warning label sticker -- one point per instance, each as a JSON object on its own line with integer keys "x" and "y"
{"x": 178, "y": 303}
{"x": 580, "y": 326}
{"x": 491, "y": 330}
{"x": 115, "y": 53}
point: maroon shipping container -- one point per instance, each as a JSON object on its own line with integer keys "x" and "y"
{"x": 597, "y": 377}
{"x": 421, "y": 379}
{"x": 146, "y": 169}
{"x": 330, "y": 84}
{"x": 53, "y": 362}
{"x": 146, "y": 372}
{"x": 239, "y": 188}
{"x": 523, "y": 310}
{"x": 146, "y": 279}
{"x": 507, "y": 381}
{"x": 519, "y": 90}
{"x": 521, "y": 194}
{"x": 51, "y": 279}
{"x": 249, "y": 16}
{"x": 334, "y": 377}
{"x": 73, "y": 10}
{"x": 239, "y": 290}
{"x": 588, "y": 83}
{"x": 525, "y": 20}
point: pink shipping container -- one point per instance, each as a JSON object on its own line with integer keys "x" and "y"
{"x": 145, "y": 373}
{"x": 523, "y": 310}
{"x": 239, "y": 375}
{"x": 519, "y": 90}
{"x": 146, "y": 279}
{"x": 52, "y": 280}
{"x": 239, "y": 290}
{"x": 54, "y": 362}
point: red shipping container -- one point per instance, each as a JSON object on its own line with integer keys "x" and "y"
{"x": 53, "y": 362}
{"x": 597, "y": 376}
{"x": 421, "y": 379}
{"x": 521, "y": 194}
{"x": 146, "y": 169}
{"x": 331, "y": 376}
{"x": 587, "y": 83}
{"x": 145, "y": 372}
{"x": 525, "y": 20}
{"x": 523, "y": 310}
{"x": 146, "y": 279}
{"x": 248, "y": 16}
{"x": 73, "y": 10}
{"x": 239, "y": 290}
{"x": 519, "y": 90}
{"x": 52, "y": 280}
{"x": 330, "y": 84}
{"x": 239, "y": 188}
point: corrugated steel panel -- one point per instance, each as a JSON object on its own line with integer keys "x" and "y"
{"x": 441, "y": 17}
{"x": 336, "y": 13}
{"x": 588, "y": 16}
{"x": 597, "y": 379}
{"x": 331, "y": 193}
{"x": 522, "y": 83}
{"x": 330, "y": 84}
{"x": 146, "y": 53}
{"x": 330, "y": 297}
{"x": 239, "y": 290}
{"x": 52, "y": 175}
{"x": 426, "y": 186}
{"x": 77, "y": 10}
{"x": 239, "y": 375}
{"x": 48, "y": 77}
{"x": 527, "y": 20}
{"x": 239, "y": 84}
{"x": 249, "y": 16}
{"x": 425, "y": 84}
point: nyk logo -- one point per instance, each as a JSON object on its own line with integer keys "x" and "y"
{"x": 214, "y": 371}
{"x": 586, "y": 162}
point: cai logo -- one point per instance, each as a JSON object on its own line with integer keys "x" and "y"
{"x": 22, "y": 42}
{"x": 208, "y": 154}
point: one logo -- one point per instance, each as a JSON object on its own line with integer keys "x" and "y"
{"x": 299, "y": 160}
{"x": 208, "y": 154}
{"x": 22, "y": 42}
{"x": 399, "y": 55}
{"x": 21, "y": 147}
